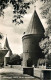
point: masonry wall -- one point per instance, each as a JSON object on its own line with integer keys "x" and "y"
{"x": 31, "y": 48}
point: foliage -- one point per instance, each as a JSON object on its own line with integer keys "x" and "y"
{"x": 45, "y": 44}
{"x": 46, "y": 11}
{"x": 15, "y": 60}
{"x": 19, "y": 9}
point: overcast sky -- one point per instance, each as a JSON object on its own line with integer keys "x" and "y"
{"x": 15, "y": 33}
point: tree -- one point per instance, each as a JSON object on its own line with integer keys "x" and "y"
{"x": 46, "y": 12}
{"x": 15, "y": 60}
{"x": 45, "y": 44}
{"x": 20, "y": 8}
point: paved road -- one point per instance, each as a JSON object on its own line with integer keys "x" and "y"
{"x": 11, "y": 76}
{"x": 14, "y": 74}
{"x": 10, "y": 70}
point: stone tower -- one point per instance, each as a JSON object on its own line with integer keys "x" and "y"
{"x": 31, "y": 39}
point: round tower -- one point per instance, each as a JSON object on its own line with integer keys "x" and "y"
{"x": 34, "y": 34}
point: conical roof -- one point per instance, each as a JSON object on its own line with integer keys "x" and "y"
{"x": 6, "y": 45}
{"x": 8, "y": 54}
{"x": 35, "y": 26}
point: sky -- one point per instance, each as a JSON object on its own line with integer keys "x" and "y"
{"x": 14, "y": 32}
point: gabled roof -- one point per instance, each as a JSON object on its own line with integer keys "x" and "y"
{"x": 35, "y": 25}
{"x": 8, "y": 54}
